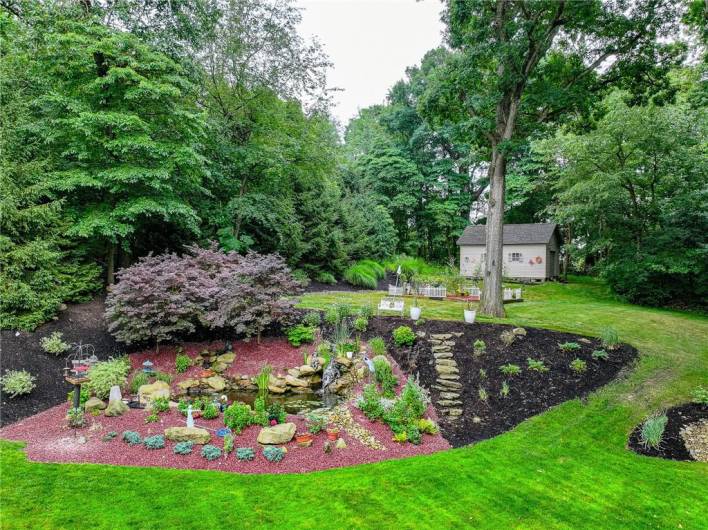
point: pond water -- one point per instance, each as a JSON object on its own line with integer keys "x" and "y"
{"x": 293, "y": 403}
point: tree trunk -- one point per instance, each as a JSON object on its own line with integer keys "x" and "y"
{"x": 492, "y": 303}
{"x": 110, "y": 264}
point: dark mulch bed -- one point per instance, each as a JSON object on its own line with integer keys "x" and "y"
{"x": 341, "y": 285}
{"x": 530, "y": 392}
{"x": 22, "y": 351}
{"x": 672, "y": 446}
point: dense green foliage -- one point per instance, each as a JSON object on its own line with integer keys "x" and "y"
{"x": 102, "y": 376}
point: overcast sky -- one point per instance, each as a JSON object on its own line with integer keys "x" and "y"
{"x": 370, "y": 42}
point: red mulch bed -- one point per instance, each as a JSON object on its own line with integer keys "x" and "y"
{"x": 50, "y": 440}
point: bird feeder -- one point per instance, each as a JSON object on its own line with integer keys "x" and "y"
{"x": 77, "y": 367}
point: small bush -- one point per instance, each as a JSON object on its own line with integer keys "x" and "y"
{"x": 609, "y": 338}
{"x": 700, "y": 395}
{"x": 385, "y": 378}
{"x": 600, "y": 355}
{"x": 378, "y": 346}
{"x": 370, "y": 403}
{"x": 83, "y": 398}
{"x": 510, "y": 369}
{"x": 245, "y": 453}
{"x": 102, "y": 376}
{"x": 578, "y": 366}
{"x": 228, "y": 443}
{"x": 276, "y": 412}
{"x": 653, "y": 430}
{"x": 413, "y": 434}
{"x": 109, "y": 436}
{"x": 76, "y": 418}
{"x": 427, "y": 426}
{"x": 504, "y": 392}
{"x": 183, "y": 448}
{"x": 17, "y": 383}
{"x": 210, "y": 411}
{"x": 182, "y": 362}
{"x": 164, "y": 377}
{"x": 260, "y": 413}
{"x": 536, "y": 366}
{"x": 139, "y": 379}
{"x": 155, "y": 442}
{"x": 403, "y": 336}
{"x": 331, "y": 316}
{"x": 273, "y": 454}
{"x": 301, "y": 277}
{"x": 507, "y": 337}
{"x": 360, "y": 324}
{"x": 479, "y": 347}
{"x": 326, "y": 277}
{"x": 569, "y": 346}
{"x": 316, "y": 423}
{"x": 54, "y": 343}
{"x": 160, "y": 404}
{"x": 237, "y": 416}
{"x": 300, "y": 333}
{"x": 152, "y": 418}
{"x": 366, "y": 311}
{"x": 211, "y": 452}
{"x": 400, "y": 437}
{"x": 312, "y": 319}
{"x": 482, "y": 373}
{"x": 131, "y": 438}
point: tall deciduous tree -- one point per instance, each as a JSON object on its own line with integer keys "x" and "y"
{"x": 518, "y": 64}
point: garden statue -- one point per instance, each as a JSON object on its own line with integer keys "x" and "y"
{"x": 190, "y": 419}
{"x": 369, "y": 364}
{"x": 330, "y": 375}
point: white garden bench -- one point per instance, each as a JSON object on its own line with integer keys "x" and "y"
{"x": 391, "y": 304}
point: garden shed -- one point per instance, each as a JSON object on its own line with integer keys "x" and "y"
{"x": 531, "y": 251}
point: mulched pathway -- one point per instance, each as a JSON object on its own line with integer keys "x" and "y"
{"x": 672, "y": 444}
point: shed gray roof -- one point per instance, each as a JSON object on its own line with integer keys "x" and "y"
{"x": 521, "y": 234}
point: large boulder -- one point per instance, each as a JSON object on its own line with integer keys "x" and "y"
{"x": 227, "y": 358}
{"x": 295, "y": 381}
{"x": 94, "y": 405}
{"x": 116, "y": 407}
{"x": 277, "y": 434}
{"x": 216, "y": 382}
{"x": 188, "y": 434}
{"x": 306, "y": 369}
{"x": 147, "y": 393}
{"x": 185, "y": 385}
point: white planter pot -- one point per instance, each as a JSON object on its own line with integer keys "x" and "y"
{"x": 415, "y": 313}
{"x": 350, "y": 354}
{"x": 470, "y": 315}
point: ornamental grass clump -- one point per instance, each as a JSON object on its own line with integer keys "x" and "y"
{"x": 536, "y": 365}
{"x": 652, "y": 431}
{"x": 609, "y": 338}
{"x": 479, "y": 347}
{"x": 182, "y": 362}
{"x": 54, "y": 343}
{"x": 17, "y": 383}
{"x": 378, "y": 346}
{"x": 139, "y": 379}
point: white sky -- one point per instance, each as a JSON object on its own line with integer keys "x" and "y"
{"x": 370, "y": 42}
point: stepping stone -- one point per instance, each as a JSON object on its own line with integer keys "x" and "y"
{"x": 443, "y": 355}
{"x": 449, "y": 384}
{"x": 449, "y": 395}
{"x": 438, "y": 349}
{"x": 452, "y": 412}
{"x": 449, "y": 402}
{"x": 450, "y": 376}
{"x": 441, "y": 336}
{"x": 445, "y": 362}
{"x": 447, "y": 370}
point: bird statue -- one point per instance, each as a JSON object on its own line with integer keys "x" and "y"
{"x": 369, "y": 364}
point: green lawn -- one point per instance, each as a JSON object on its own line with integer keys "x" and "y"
{"x": 567, "y": 468}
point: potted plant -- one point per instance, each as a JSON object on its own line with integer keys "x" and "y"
{"x": 332, "y": 433}
{"x": 304, "y": 439}
{"x": 470, "y": 314}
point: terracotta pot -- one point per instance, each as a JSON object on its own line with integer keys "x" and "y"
{"x": 304, "y": 439}
{"x": 332, "y": 434}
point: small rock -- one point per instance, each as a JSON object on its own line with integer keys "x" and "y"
{"x": 449, "y": 403}
{"x": 188, "y": 434}
{"x": 450, "y": 377}
{"x": 441, "y": 349}
{"x": 306, "y": 369}
{"x": 449, "y": 384}
{"x": 62, "y": 307}
{"x": 295, "y": 372}
{"x": 457, "y": 334}
{"x": 445, "y": 362}
{"x": 187, "y": 384}
{"x": 277, "y": 434}
{"x": 94, "y": 404}
{"x": 294, "y": 381}
{"x": 327, "y": 447}
{"x": 585, "y": 341}
{"x": 344, "y": 361}
{"x": 446, "y": 369}
{"x": 519, "y": 332}
{"x": 276, "y": 381}
{"x": 441, "y": 336}
{"x": 116, "y": 407}
{"x": 449, "y": 395}
{"x": 219, "y": 368}
{"x": 453, "y": 412}
{"x": 420, "y": 334}
{"x": 277, "y": 389}
{"x": 81, "y": 439}
{"x": 340, "y": 444}
{"x": 227, "y": 358}
{"x": 476, "y": 419}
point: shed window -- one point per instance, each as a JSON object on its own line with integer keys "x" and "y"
{"x": 515, "y": 257}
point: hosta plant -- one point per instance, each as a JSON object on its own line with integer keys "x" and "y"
{"x": 54, "y": 343}
{"x": 17, "y": 382}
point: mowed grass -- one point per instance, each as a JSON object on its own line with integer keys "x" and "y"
{"x": 566, "y": 468}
